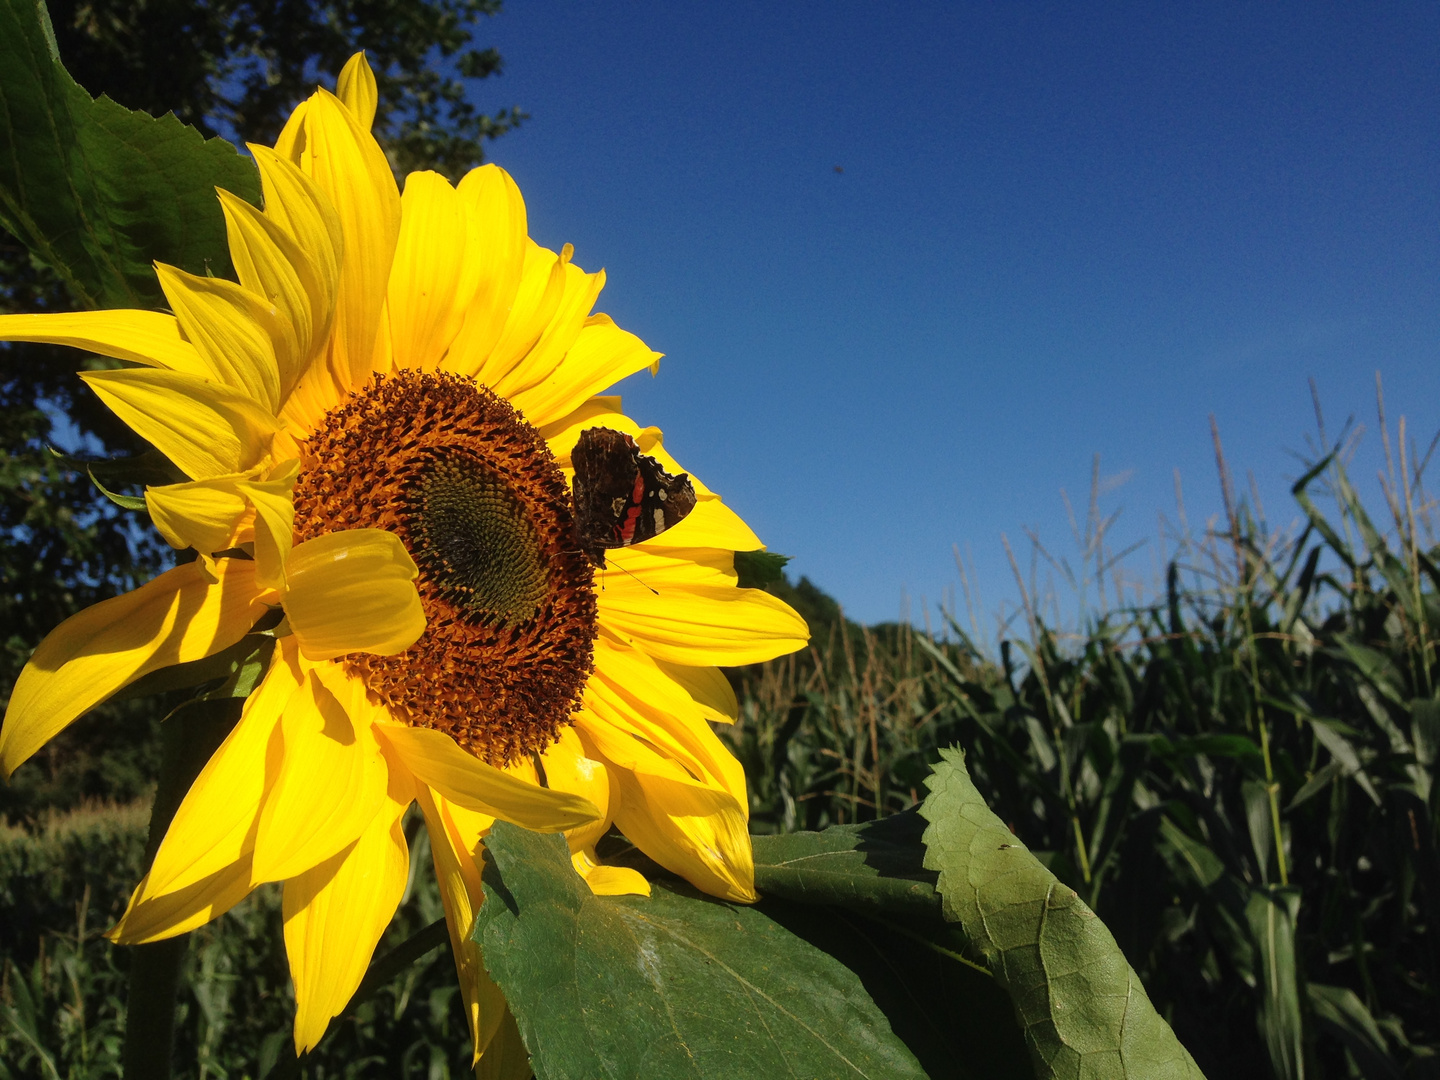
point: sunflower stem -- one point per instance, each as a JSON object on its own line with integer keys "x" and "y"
{"x": 189, "y": 736}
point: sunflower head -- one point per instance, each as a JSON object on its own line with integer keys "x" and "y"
{"x": 478, "y": 500}
{"x": 376, "y": 422}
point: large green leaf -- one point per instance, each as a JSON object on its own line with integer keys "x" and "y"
{"x": 1083, "y": 1009}
{"x": 671, "y": 985}
{"x": 862, "y": 894}
{"x": 97, "y": 190}
{"x": 875, "y": 869}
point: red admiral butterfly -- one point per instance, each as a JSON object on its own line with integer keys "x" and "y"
{"x": 621, "y": 495}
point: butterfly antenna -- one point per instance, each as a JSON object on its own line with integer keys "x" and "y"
{"x": 624, "y": 571}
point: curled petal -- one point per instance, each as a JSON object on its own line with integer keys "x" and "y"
{"x": 353, "y": 591}
{"x": 691, "y": 828}
{"x": 608, "y": 880}
{"x": 569, "y": 768}
{"x": 203, "y": 514}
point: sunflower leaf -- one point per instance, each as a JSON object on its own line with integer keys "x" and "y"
{"x": 675, "y": 984}
{"x": 874, "y": 869}
{"x": 756, "y": 569}
{"x": 97, "y": 190}
{"x": 1082, "y": 1007}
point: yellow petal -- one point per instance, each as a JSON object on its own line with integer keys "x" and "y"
{"x": 144, "y": 337}
{"x": 206, "y": 429}
{"x": 231, "y": 327}
{"x": 695, "y": 614}
{"x": 711, "y": 524}
{"x": 296, "y": 204}
{"x": 541, "y": 288}
{"x": 148, "y": 919}
{"x": 202, "y": 514}
{"x": 600, "y": 356}
{"x": 435, "y": 759}
{"x": 215, "y": 824}
{"x": 461, "y": 894}
{"x": 334, "y": 917}
{"x": 506, "y": 1057}
{"x": 356, "y": 88}
{"x": 179, "y": 616}
{"x": 708, "y": 688}
{"x": 692, "y": 829}
{"x": 599, "y": 411}
{"x": 331, "y": 782}
{"x": 290, "y": 144}
{"x": 434, "y": 275}
{"x": 266, "y": 259}
{"x": 495, "y": 203}
{"x": 630, "y": 692}
{"x": 569, "y": 768}
{"x": 351, "y": 170}
{"x": 353, "y": 591}
{"x": 608, "y": 880}
{"x": 537, "y": 363}
{"x": 274, "y": 504}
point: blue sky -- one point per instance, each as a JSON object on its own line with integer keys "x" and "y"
{"x": 1059, "y": 231}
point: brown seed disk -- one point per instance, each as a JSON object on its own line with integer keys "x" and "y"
{"x": 477, "y": 498}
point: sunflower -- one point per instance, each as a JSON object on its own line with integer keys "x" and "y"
{"x": 376, "y": 422}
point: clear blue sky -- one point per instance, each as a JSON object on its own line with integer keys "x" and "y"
{"x": 1060, "y": 230}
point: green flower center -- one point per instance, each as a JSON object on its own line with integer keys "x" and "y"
{"x": 476, "y": 540}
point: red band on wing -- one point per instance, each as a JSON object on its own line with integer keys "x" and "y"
{"x": 632, "y": 512}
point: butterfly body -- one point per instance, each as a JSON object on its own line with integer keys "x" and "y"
{"x": 622, "y": 496}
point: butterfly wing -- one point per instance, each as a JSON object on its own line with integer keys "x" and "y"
{"x": 622, "y": 496}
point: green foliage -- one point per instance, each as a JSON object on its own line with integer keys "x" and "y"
{"x": 1239, "y": 778}
{"x": 675, "y": 984}
{"x": 1083, "y": 1009}
{"x": 62, "y": 986}
{"x": 236, "y": 67}
{"x": 758, "y": 569}
{"x": 100, "y": 192}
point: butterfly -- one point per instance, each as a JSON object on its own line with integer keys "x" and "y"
{"x": 621, "y": 495}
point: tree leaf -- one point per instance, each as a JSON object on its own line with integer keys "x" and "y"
{"x": 670, "y": 985}
{"x": 1083, "y": 1009}
{"x": 97, "y": 190}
